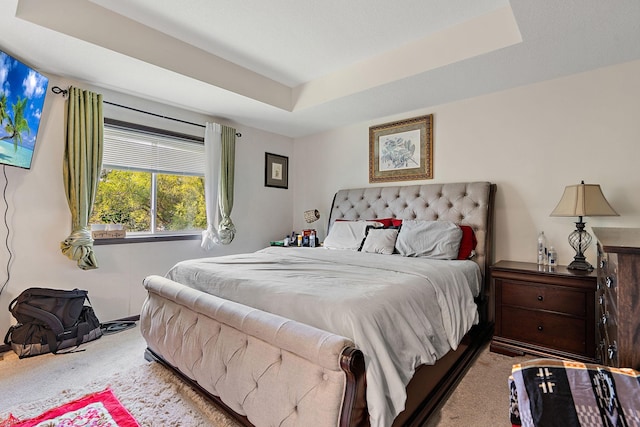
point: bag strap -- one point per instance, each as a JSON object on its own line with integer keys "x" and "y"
{"x": 48, "y": 318}
{"x": 7, "y": 341}
{"x": 12, "y": 303}
{"x": 116, "y": 326}
{"x": 52, "y": 340}
{"x": 54, "y": 293}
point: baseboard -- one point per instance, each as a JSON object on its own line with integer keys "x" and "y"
{"x": 127, "y": 319}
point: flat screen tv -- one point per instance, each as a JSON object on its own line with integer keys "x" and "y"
{"x": 22, "y": 93}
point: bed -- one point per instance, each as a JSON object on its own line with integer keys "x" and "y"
{"x": 312, "y": 336}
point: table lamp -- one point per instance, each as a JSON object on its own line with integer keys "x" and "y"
{"x": 582, "y": 200}
{"x": 311, "y": 215}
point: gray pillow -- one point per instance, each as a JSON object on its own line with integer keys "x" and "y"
{"x": 347, "y": 234}
{"x": 380, "y": 240}
{"x": 431, "y": 239}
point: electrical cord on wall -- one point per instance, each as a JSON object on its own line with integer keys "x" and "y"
{"x": 6, "y": 224}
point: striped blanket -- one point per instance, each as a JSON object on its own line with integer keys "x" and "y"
{"x": 549, "y": 393}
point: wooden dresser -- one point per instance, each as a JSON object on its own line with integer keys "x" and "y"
{"x": 618, "y": 332}
{"x": 548, "y": 312}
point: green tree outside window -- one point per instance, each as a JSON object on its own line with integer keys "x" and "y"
{"x": 126, "y": 197}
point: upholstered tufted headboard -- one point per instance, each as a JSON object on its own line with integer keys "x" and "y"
{"x": 465, "y": 203}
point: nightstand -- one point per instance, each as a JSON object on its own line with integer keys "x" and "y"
{"x": 544, "y": 311}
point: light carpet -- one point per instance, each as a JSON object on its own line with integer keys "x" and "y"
{"x": 152, "y": 394}
{"x": 156, "y": 397}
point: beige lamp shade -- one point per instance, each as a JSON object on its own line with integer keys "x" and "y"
{"x": 311, "y": 215}
{"x": 583, "y": 200}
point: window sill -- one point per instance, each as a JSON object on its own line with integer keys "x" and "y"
{"x": 146, "y": 238}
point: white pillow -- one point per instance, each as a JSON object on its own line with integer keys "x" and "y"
{"x": 347, "y": 234}
{"x": 380, "y": 241}
{"x": 431, "y": 239}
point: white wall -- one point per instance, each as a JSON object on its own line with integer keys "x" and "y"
{"x": 39, "y": 218}
{"x": 531, "y": 141}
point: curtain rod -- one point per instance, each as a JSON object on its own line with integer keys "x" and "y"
{"x": 57, "y": 90}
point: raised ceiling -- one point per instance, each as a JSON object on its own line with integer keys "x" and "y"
{"x": 301, "y": 67}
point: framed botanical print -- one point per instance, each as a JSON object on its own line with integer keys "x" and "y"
{"x": 401, "y": 151}
{"x": 276, "y": 171}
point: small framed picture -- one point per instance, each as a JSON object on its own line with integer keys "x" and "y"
{"x": 276, "y": 171}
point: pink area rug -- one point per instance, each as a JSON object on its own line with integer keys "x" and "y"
{"x": 101, "y": 409}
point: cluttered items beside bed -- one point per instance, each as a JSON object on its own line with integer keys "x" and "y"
{"x": 410, "y": 315}
{"x": 50, "y": 320}
{"x": 307, "y": 239}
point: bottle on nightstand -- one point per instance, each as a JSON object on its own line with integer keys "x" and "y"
{"x": 553, "y": 257}
{"x": 542, "y": 249}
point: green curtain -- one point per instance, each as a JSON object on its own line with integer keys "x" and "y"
{"x": 81, "y": 171}
{"x": 226, "y": 229}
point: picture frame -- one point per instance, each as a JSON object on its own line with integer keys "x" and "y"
{"x": 276, "y": 171}
{"x": 402, "y": 150}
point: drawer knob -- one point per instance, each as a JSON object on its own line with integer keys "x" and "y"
{"x": 540, "y": 328}
{"x": 609, "y": 282}
{"x": 604, "y": 318}
{"x": 601, "y": 299}
{"x": 540, "y": 297}
{"x": 602, "y": 263}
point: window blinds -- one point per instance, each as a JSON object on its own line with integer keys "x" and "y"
{"x": 136, "y": 150}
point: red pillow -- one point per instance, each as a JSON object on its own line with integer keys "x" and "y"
{"x": 468, "y": 242}
{"x": 386, "y": 222}
{"x": 390, "y": 222}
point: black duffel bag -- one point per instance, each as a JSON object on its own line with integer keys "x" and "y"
{"x": 50, "y": 320}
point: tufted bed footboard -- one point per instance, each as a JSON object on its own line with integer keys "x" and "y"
{"x": 248, "y": 359}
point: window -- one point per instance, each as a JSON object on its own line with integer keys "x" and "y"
{"x": 152, "y": 181}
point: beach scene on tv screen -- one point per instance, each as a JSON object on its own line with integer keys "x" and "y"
{"x": 22, "y": 94}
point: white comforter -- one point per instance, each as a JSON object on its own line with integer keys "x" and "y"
{"x": 401, "y": 312}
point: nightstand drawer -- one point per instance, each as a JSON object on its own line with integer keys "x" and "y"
{"x": 547, "y": 298}
{"x": 544, "y": 329}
